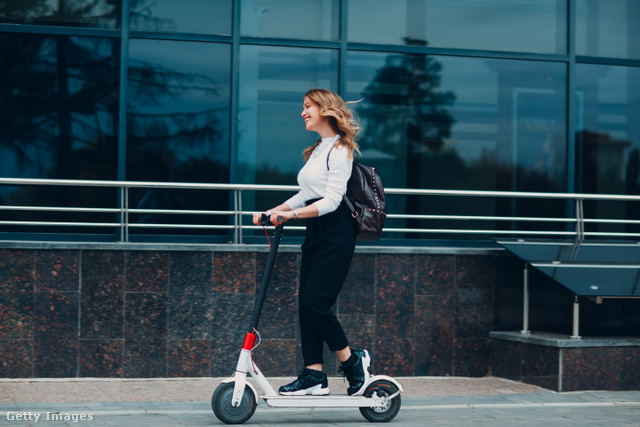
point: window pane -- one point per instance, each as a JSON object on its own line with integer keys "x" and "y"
{"x": 59, "y": 119}
{"x": 461, "y": 123}
{"x": 608, "y": 28}
{"x": 271, "y": 131}
{"x": 537, "y": 26}
{"x": 178, "y": 121}
{"x": 309, "y": 19}
{"x": 608, "y": 136}
{"x": 76, "y": 13}
{"x": 60, "y": 106}
{"x": 185, "y": 16}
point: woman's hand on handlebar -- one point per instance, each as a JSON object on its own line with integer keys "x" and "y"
{"x": 280, "y": 217}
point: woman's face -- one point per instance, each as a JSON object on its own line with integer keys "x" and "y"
{"x": 311, "y": 116}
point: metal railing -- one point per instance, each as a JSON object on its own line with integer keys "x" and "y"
{"x": 570, "y": 226}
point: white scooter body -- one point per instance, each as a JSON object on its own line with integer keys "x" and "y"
{"x": 246, "y": 365}
{"x": 380, "y": 403}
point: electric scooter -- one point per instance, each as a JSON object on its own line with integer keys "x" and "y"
{"x": 234, "y": 401}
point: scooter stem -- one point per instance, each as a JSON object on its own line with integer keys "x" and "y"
{"x": 257, "y": 309}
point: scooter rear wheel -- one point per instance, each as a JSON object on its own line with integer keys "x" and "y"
{"x": 225, "y": 411}
{"x": 386, "y": 413}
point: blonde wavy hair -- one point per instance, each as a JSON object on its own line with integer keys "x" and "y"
{"x": 342, "y": 120}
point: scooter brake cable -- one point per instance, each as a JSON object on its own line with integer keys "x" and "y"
{"x": 267, "y": 233}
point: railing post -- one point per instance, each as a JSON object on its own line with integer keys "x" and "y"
{"x": 576, "y": 319}
{"x": 237, "y": 216}
{"x": 580, "y": 219}
{"x": 124, "y": 214}
{"x": 525, "y": 302}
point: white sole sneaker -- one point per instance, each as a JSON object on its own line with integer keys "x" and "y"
{"x": 316, "y": 390}
{"x": 366, "y": 363}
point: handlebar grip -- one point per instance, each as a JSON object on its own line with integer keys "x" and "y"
{"x": 280, "y": 219}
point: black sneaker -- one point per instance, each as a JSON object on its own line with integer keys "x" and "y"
{"x": 357, "y": 373}
{"x": 309, "y": 382}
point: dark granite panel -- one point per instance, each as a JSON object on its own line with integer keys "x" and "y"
{"x": 540, "y": 361}
{"x": 475, "y": 272}
{"x": 145, "y": 359}
{"x": 360, "y": 330}
{"x": 234, "y": 272}
{"x": 472, "y": 357}
{"x": 57, "y": 270}
{"x": 435, "y": 274}
{"x": 507, "y": 359}
{"x": 393, "y": 357}
{"x": 604, "y": 368}
{"x": 102, "y": 301}
{"x": 56, "y": 334}
{"x": 17, "y": 270}
{"x": 232, "y": 316}
{"x": 434, "y": 333}
{"x": 190, "y": 293}
{"x": 16, "y": 315}
{"x": 358, "y": 294}
{"x": 17, "y": 358}
{"x": 474, "y": 313}
{"x": 276, "y": 358}
{"x": 101, "y": 358}
{"x": 395, "y": 296}
{"x": 188, "y": 358}
{"x": 145, "y": 316}
{"x": 280, "y": 311}
{"x": 147, "y": 271}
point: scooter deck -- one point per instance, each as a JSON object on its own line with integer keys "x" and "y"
{"x": 328, "y": 401}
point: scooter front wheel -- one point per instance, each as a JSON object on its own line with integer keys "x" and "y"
{"x": 225, "y": 411}
{"x": 390, "y": 409}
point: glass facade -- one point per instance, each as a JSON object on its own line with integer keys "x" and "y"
{"x": 523, "y": 95}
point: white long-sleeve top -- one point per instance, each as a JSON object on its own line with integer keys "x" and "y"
{"x": 316, "y": 181}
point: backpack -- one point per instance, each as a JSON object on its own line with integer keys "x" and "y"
{"x": 365, "y": 200}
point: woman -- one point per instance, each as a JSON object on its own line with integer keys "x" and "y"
{"x": 329, "y": 243}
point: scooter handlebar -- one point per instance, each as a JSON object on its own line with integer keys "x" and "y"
{"x": 265, "y": 220}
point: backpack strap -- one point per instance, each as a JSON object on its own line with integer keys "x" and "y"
{"x": 345, "y": 199}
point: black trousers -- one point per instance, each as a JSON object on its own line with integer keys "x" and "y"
{"x": 326, "y": 256}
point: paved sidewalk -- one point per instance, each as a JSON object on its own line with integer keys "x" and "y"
{"x": 427, "y": 401}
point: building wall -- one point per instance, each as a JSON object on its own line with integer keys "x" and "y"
{"x": 134, "y": 313}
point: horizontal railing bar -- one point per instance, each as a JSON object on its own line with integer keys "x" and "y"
{"x": 147, "y": 184}
{"x": 464, "y": 231}
{"x": 263, "y": 187}
{"x": 199, "y": 226}
{"x": 480, "y": 218}
{"x": 62, "y": 223}
{"x": 58, "y": 209}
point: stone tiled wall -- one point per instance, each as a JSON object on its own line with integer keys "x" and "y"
{"x": 141, "y": 313}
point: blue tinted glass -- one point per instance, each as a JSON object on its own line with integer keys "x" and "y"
{"x": 309, "y": 19}
{"x": 178, "y": 111}
{"x": 462, "y": 123}
{"x": 273, "y": 82}
{"x": 607, "y": 129}
{"x": 60, "y": 106}
{"x": 178, "y": 125}
{"x": 608, "y": 28}
{"x": 185, "y": 16}
{"x": 76, "y": 13}
{"x": 526, "y": 25}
